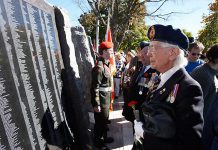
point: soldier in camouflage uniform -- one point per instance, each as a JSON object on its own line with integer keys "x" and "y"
{"x": 101, "y": 94}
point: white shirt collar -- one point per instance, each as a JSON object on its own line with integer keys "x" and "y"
{"x": 166, "y": 75}
{"x": 147, "y": 67}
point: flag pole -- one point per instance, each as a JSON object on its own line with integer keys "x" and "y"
{"x": 97, "y": 26}
{"x": 108, "y": 27}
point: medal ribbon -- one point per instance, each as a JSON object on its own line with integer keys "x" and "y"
{"x": 175, "y": 90}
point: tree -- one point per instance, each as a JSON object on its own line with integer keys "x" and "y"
{"x": 88, "y": 21}
{"x": 209, "y": 34}
{"x": 135, "y": 34}
{"x": 125, "y": 17}
{"x": 124, "y": 13}
{"x": 187, "y": 33}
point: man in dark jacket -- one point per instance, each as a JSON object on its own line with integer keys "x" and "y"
{"x": 173, "y": 112}
{"x": 140, "y": 80}
{"x": 135, "y": 63}
{"x": 139, "y": 88}
{"x": 101, "y": 94}
{"x": 139, "y": 84}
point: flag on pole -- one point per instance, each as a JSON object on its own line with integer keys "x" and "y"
{"x": 108, "y": 38}
{"x": 112, "y": 58}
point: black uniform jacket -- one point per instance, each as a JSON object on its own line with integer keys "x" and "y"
{"x": 135, "y": 88}
{"x": 101, "y": 79}
{"x": 133, "y": 92}
{"x": 174, "y": 124}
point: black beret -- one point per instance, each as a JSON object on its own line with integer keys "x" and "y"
{"x": 169, "y": 35}
{"x": 143, "y": 44}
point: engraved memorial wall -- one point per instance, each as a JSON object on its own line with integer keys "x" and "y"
{"x": 30, "y": 66}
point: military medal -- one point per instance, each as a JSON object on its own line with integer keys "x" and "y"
{"x": 141, "y": 85}
{"x": 172, "y": 99}
{"x": 168, "y": 99}
{"x": 140, "y": 90}
{"x": 173, "y": 94}
{"x": 146, "y": 85}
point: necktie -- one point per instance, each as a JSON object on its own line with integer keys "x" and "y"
{"x": 141, "y": 73}
{"x": 156, "y": 81}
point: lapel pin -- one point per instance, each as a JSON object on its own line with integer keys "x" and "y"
{"x": 162, "y": 91}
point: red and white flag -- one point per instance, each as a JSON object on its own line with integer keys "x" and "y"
{"x": 108, "y": 38}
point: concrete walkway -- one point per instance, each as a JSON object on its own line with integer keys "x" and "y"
{"x": 119, "y": 129}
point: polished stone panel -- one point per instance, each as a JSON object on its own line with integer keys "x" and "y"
{"x": 30, "y": 67}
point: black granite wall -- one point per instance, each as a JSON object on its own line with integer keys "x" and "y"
{"x": 30, "y": 67}
{"x": 45, "y": 76}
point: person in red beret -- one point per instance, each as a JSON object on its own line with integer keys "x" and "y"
{"x": 105, "y": 45}
{"x": 101, "y": 94}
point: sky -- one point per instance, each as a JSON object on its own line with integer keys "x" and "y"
{"x": 189, "y": 18}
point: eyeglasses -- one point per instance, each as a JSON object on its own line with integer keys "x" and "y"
{"x": 195, "y": 54}
{"x": 153, "y": 48}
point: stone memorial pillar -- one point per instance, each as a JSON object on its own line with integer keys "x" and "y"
{"x": 73, "y": 95}
{"x": 85, "y": 60}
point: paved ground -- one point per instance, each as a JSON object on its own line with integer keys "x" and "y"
{"x": 119, "y": 129}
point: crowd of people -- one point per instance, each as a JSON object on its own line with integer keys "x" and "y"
{"x": 169, "y": 90}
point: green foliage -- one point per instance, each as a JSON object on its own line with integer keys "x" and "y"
{"x": 187, "y": 33}
{"x": 209, "y": 34}
{"x": 88, "y": 21}
{"x": 134, "y": 36}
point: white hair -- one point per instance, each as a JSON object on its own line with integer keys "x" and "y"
{"x": 180, "y": 60}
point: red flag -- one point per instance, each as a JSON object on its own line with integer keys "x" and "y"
{"x": 108, "y": 38}
{"x": 108, "y": 35}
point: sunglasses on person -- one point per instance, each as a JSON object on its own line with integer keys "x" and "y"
{"x": 195, "y": 54}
